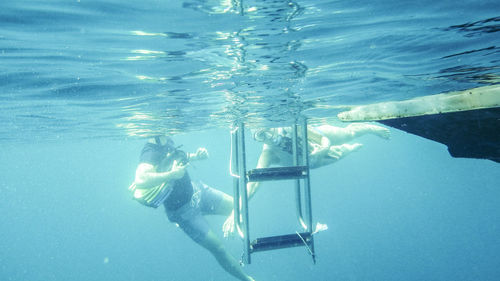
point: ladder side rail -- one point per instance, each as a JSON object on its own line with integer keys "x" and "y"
{"x": 307, "y": 187}
{"x": 236, "y": 181}
{"x": 243, "y": 193}
{"x": 298, "y": 193}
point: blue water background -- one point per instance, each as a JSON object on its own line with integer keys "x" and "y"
{"x": 79, "y": 92}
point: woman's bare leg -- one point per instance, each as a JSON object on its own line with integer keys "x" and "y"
{"x": 332, "y": 154}
{"x": 339, "y": 135}
{"x": 226, "y": 261}
{"x": 339, "y": 151}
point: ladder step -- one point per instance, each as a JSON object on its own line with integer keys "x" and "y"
{"x": 277, "y": 173}
{"x": 280, "y": 242}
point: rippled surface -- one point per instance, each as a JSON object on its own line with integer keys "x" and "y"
{"x": 111, "y": 69}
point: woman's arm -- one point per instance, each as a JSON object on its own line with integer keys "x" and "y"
{"x": 147, "y": 177}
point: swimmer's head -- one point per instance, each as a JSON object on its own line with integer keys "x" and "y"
{"x": 264, "y": 135}
{"x": 163, "y": 141}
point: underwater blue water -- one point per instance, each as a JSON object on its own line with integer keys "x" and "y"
{"x": 82, "y": 82}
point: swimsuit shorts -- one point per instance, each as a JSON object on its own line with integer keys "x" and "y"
{"x": 189, "y": 217}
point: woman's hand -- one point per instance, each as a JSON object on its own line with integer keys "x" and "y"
{"x": 200, "y": 154}
{"x": 177, "y": 171}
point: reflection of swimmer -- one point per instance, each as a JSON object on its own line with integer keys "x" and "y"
{"x": 327, "y": 144}
{"x": 162, "y": 179}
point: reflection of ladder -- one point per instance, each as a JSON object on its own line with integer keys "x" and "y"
{"x": 299, "y": 172}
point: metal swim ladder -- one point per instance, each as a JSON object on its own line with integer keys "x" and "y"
{"x": 299, "y": 172}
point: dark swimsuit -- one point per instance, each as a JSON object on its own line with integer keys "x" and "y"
{"x": 181, "y": 191}
{"x": 187, "y": 201}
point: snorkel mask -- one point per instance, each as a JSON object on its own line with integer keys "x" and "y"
{"x": 171, "y": 150}
{"x": 259, "y": 135}
{"x": 269, "y": 136}
{"x": 165, "y": 142}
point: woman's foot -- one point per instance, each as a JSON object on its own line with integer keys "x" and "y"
{"x": 381, "y": 132}
{"x": 338, "y": 151}
{"x": 359, "y": 129}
